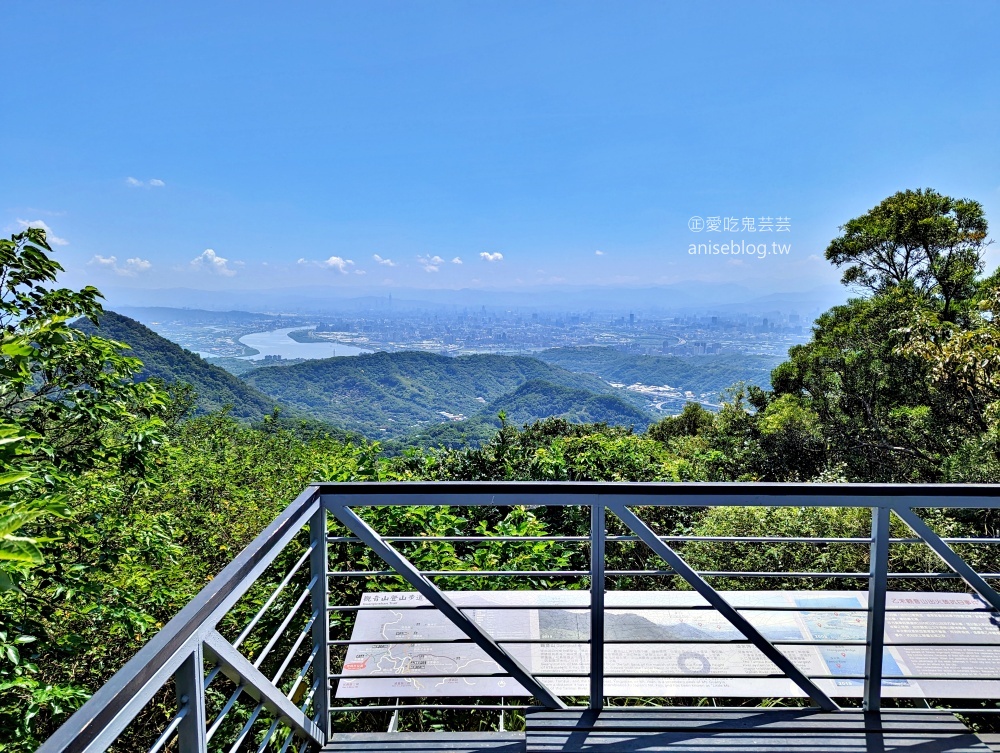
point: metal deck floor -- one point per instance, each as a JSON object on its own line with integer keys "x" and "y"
{"x": 708, "y": 731}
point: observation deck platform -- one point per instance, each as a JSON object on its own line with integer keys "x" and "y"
{"x": 368, "y": 633}
{"x": 692, "y": 731}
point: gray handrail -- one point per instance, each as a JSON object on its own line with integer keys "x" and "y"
{"x": 108, "y": 712}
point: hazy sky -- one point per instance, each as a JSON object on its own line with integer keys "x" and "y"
{"x": 366, "y": 145}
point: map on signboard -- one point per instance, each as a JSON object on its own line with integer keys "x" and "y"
{"x": 670, "y": 643}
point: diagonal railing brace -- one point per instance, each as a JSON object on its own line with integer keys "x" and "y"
{"x": 949, "y": 555}
{"x": 245, "y": 675}
{"x": 435, "y": 596}
{"x": 724, "y": 608}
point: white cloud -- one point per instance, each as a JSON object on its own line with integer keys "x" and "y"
{"x": 599, "y": 253}
{"x": 360, "y": 272}
{"x": 212, "y": 262}
{"x": 136, "y": 183}
{"x": 384, "y": 262}
{"x": 131, "y": 268}
{"x": 137, "y": 265}
{"x": 336, "y": 262}
{"x": 430, "y": 263}
{"x": 456, "y": 260}
{"x": 53, "y": 239}
{"x": 486, "y": 255}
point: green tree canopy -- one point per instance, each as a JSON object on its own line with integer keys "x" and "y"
{"x": 922, "y": 238}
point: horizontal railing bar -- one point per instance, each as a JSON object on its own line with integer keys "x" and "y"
{"x": 667, "y": 676}
{"x": 682, "y": 539}
{"x": 302, "y": 708}
{"x": 214, "y": 726}
{"x": 302, "y": 673}
{"x": 477, "y": 573}
{"x": 169, "y": 730}
{"x": 242, "y": 735}
{"x": 212, "y": 674}
{"x": 283, "y": 626}
{"x": 656, "y": 608}
{"x": 439, "y": 706}
{"x": 295, "y": 647}
{"x": 659, "y": 641}
{"x": 657, "y": 494}
{"x": 274, "y": 595}
{"x": 645, "y": 573}
{"x": 267, "y": 737}
{"x": 655, "y": 709}
{"x": 413, "y": 539}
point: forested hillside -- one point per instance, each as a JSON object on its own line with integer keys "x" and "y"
{"x": 390, "y": 395}
{"x": 530, "y": 402}
{"x": 698, "y": 374}
{"x": 214, "y": 388}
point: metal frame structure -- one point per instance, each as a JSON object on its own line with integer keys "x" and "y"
{"x": 192, "y": 653}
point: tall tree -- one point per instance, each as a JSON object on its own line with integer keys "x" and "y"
{"x": 921, "y": 238}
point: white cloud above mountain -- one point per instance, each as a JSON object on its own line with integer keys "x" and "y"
{"x": 339, "y": 263}
{"x": 487, "y": 256}
{"x": 211, "y": 262}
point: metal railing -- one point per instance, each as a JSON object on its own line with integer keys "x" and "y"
{"x": 293, "y": 709}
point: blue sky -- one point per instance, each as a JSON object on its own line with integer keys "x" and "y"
{"x": 246, "y": 145}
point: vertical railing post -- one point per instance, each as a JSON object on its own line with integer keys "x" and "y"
{"x": 877, "y": 586}
{"x": 319, "y": 596}
{"x": 597, "y": 534}
{"x": 189, "y": 682}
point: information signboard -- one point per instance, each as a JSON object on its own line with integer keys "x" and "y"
{"x": 673, "y": 633}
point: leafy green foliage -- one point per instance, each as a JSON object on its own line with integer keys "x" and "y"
{"x": 58, "y": 390}
{"x": 692, "y": 421}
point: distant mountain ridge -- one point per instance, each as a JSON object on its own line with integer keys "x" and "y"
{"x": 214, "y": 387}
{"x": 698, "y": 374}
{"x": 687, "y": 296}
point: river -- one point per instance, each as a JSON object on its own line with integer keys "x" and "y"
{"x": 278, "y": 343}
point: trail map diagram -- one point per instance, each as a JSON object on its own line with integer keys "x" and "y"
{"x": 402, "y": 648}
